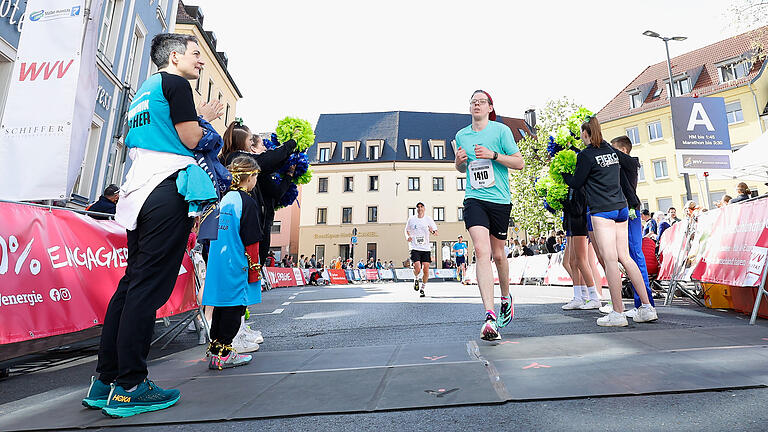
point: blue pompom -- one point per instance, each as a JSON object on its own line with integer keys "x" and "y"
{"x": 289, "y": 196}
{"x": 553, "y": 147}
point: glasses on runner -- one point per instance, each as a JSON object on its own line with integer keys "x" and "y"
{"x": 478, "y": 101}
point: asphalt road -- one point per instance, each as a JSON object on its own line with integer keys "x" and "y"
{"x": 392, "y": 313}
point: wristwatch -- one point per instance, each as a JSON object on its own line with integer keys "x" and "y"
{"x": 495, "y": 155}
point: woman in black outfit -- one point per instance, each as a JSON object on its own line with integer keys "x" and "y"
{"x": 598, "y": 171}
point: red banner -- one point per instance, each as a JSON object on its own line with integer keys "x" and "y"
{"x": 733, "y": 251}
{"x": 338, "y": 277}
{"x": 281, "y": 277}
{"x": 371, "y": 274}
{"x": 59, "y": 269}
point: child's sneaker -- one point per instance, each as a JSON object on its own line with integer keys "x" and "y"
{"x": 230, "y": 360}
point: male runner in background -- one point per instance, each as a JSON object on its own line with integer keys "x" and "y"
{"x": 460, "y": 250}
{"x": 417, "y": 231}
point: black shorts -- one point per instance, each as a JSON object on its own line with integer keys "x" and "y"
{"x": 493, "y": 216}
{"x": 575, "y": 226}
{"x": 460, "y": 260}
{"x": 421, "y": 256}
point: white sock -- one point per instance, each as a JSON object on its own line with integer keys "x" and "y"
{"x": 593, "y": 293}
{"x": 584, "y": 292}
{"x": 576, "y": 291}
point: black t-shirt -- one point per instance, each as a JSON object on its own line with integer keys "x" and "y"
{"x": 629, "y": 171}
{"x": 178, "y": 93}
{"x": 597, "y": 169}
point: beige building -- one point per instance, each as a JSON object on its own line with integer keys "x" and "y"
{"x": 641, "y": 111}
{"x": 215, "y": 82}
{"x": 370, "y": 170}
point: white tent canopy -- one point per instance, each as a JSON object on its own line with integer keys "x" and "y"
{"x": 749, "y": 163}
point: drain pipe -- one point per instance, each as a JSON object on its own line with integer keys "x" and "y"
{"x": 757, "y": 107}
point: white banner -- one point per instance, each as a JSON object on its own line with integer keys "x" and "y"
{"x": 50, "y": 103}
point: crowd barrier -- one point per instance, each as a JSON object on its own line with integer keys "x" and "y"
{"x": 546, "y": 268}
{"x": 290, "y": 277}
{"x": 58, "y": 270}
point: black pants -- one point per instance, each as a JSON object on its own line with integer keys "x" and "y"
{"x": 155, "y": 251}
{"x": 264, "y": 245}
{"x": 225, "y": 324}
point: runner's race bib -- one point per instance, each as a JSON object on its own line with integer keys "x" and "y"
{"x": 421, "y": 240}
{"x": 481, "y": 174}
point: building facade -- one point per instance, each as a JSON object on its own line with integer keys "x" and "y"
{"x": 285, "y": 230}
{"x": 370, "y": 170}
{"x": 727, "y": 69}
{"x": 215, "y": 82}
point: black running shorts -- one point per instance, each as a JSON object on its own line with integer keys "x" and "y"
{"x": 421, "y": 256}
{"x": 491, "y": 215}
{"x": 460, "y": 259}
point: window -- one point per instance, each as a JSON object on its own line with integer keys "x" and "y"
{"x": 349, "y": 153}
{"x": 663, "y": 204}
{"x": 324, "y": 155}
{"x": 684, "y": 200}
{"x": 370, "y": 250}
{"x": 461, "y": 183}
{"x": 660, "y": 169}
{"x": 634, "y": 100}
{"x": 654, "y": 131}
{"x": 734, "y": 113}
{"x": 344, "y": 251}
{"x": 276, "y": 227}
{"x": 439, "y": 152}
{"x": 134, "y": 57}
{"x": 438, "y": 214}
{"x": 682, "y": 87}
{"x": 715, "y": 196}
{"x": 373, "y": 183}
{"x": 641, "y": 173}
{"x": 438, "y": 184}
{"x": 322, "y": 185}
{"x": 346, "y": 215}
{"x": 460, "y": 213}
{"x": 522, "y": 133}
{"x": 88, "y": 168}
{"x": 373, "y": 214}
{"x": 644, "y": 205}
{"x": 322, "y": 216}
{"x": 210, "y": 90}
{"x": 413, "y": 151}
{"x": 110, "y": 28}
{"x": 278, "y": 251}
{"x": 220, "y": 96}
{"x": 349, "y": 184}
{"x": 319, "y": 254}
{"x": 373, "y": 152}
{"x": 197, "y": 82}
{"x": 411, "y": 211}
{"x": 734, "y": 71}
{"x": 414, "y": 183}
{"x": 633, "y": 134}
{"x": 226, "y": 115}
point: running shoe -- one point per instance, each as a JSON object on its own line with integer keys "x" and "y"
{"x": 145, "y": 398}
{"x": 613, "y": 319}
{"x": 575, "y": 303}
{"x": 490, "y": 331}
{"x": 590, "y": 305}
{"x": 241, "y": 343}
{"x": 233, "y": 359}
{"x": 606, "y": 308}
{"x": 506, "y": 313}
{"x": 630, "y": 313}
{"x": 251, "y": 334}
{"x": 645, "y": 314}
{"x": 415, "y": 284}
{"x": 421, "y": 292}
{"x": 97, "y": 394}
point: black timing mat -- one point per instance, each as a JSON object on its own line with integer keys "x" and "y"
{"x": 364, "y": 379}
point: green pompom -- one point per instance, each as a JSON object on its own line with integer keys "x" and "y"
{"x": 287, "y": 129}
{"x": 564, "y": 137}
{"x": 543, "y": 184}
{"x": 556, "y": 194}
{"x": 632, "y": 214}
{"x": 576, "y": 119}
{"x": 247, "y": 314}
{"x": 564, "y": 161}
{"x": 304, "y": 178}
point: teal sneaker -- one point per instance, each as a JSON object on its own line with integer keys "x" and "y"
{"x": 147, "y": 397}
{"x": 97, "y": 394}
{"x": 506, "y": 313}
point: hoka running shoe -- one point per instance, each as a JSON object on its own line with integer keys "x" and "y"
{"x": 97, "y": 394}
{"x": 145, "y": 398}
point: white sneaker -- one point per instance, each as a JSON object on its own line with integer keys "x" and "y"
{"x": 242, "y": 344}
{"x": 590, "y": 305}
{"x": 575, "y": 303}
{"x": 645, "y": 314}
{"x": 606, "y": 308}
{"x": 613, "y": 319}
{"x": 630, "y": 313}
{"x": 253, "y": 335}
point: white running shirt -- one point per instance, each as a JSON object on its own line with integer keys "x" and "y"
{"x": 418, "y": 229}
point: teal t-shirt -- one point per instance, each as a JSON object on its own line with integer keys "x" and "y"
{"x": 495, "y": 137}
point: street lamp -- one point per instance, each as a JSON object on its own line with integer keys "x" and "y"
{"x": 666, "y": 40}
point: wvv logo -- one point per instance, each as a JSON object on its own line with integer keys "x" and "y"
{"x": 33, "y": 70}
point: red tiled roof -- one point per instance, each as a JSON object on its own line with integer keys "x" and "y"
{"x": 708, "y": 82}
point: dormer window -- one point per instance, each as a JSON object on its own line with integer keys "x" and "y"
{"x": 349, "y": 152}
{"x": 414, "y": 148}
{"x": 325, "y": 151}
{"x": 635, "y": 100}
{"x": 682, "y": 86}
{"x": 437, "y": 148}
{"x": 375, "y": 148}
{"x": 734, "y": 69}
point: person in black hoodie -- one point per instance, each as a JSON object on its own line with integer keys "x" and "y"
{"x": 598, "y": 171}
{"x": 630, "y": 167}
{"x": 107, "y": 203}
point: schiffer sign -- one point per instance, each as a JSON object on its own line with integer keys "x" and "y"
{"x": 702, "y": 139}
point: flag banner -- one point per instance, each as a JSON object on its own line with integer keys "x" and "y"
{"x": 338, "y": 277}
{"x": 59, "y": 269}
{"x": 51, "y": 100}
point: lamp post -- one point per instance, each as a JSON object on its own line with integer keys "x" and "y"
{"x": 666, "y": 40}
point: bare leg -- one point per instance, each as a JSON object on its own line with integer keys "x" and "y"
{"x": 596, "y": 276}
{"x": 416, "y": 269}
{"x": 425, "y": 276}
{"x": 502, "y": 265}
{"x": 481, "y": 240}
{"x": 605, "y": 232}
{"x": 580, "y": 255}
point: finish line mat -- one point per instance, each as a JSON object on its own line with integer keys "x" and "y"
{"x": 365, "y": 379}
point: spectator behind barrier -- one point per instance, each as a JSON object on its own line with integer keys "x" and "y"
{"x": 107, "y": 203}
{"x": 744, "y": 193}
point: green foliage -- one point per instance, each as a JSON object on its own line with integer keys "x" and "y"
{"x": 296, "y": 129}
{"x": 563, "y": 162}
{"x": 527, "y": 208}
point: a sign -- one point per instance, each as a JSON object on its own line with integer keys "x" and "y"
{"x": 59, "y": 269}
{"x": 281, "y": 277}
{"x": 702, "y": 139}
{"x": 51, "y": 100}
{"x": 371, "y": 274}
{"x": 353, "y": 240}
{"x": 338, "y": 276}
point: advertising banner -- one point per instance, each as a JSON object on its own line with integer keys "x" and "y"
{"x": 702, "y": 138}
{"x": 386, "y": 274}
{"x": 281, "y": 277}
{"x": 51, "y": 100}
{"x": 445, "y": 273}
{"x": 536, "y": 267}
{"x": 338, "y": 276}
{"x": 299, "y": 276}
{"x": 371, "y": 274}
{"x": 59, "y": 269}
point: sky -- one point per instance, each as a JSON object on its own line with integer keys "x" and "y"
{"x": 305, "y": 58}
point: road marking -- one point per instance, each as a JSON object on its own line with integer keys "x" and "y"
{"x": 433, "y": 358}
{"x": 535, "y": 365}
{"x": 286, "y": 304}
{"x": 291, "y": 297}
{"x": 508, "y": 342}
{"x": 277, "y": 311}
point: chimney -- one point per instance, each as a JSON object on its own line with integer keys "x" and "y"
{"x": 530, "y": 119}
{"x": 212, "y": 37}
